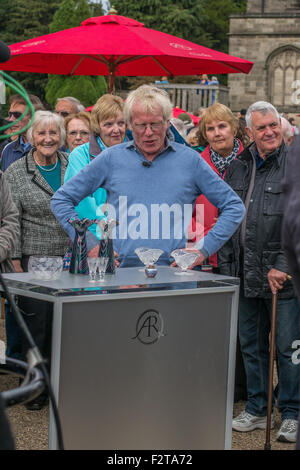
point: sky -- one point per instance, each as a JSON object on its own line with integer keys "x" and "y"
{"x": 105, "y": 5}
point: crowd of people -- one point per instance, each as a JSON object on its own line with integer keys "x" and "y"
{"x": 122, "y": 155}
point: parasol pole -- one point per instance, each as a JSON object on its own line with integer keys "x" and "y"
{"x": 111, "y": 78}
{"x": 111, "y": 68}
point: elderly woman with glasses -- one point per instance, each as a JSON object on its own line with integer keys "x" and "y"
{"x": 33, "y": 180}
{"x": 108, "y": 129}
{"x": 78, "y": 130}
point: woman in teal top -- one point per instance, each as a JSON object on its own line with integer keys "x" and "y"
{"x": 108, "y": 128}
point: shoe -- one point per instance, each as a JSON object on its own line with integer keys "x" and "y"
{"x": 245, "y": 422}
{"x": 37, "y": 403}
{"x": 288, "y": 430}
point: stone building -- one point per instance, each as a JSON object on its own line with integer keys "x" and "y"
{"x": 268, "y": 34}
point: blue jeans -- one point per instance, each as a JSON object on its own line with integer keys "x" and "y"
{"x": 254, "y": 328}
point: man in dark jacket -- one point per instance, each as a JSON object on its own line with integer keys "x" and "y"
{"x": 255, "y": 254}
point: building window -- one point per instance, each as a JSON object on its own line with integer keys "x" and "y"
{"x": 283, "y": 71}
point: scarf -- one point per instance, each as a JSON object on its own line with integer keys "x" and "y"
{"x": 222, "y": 163}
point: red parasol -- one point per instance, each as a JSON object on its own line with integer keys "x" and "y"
{"x": 118, "y": 46}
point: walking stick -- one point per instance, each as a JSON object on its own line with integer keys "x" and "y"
{"x": 271, "y": 370}
{"x": 271, "y": 367}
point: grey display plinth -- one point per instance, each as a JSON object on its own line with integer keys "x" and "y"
{"x": 141, "y": 363}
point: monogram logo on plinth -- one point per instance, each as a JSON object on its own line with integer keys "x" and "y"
{"x": 149, "y": 327}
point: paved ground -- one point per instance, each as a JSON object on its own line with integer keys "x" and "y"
{"x": 30, "y": 428}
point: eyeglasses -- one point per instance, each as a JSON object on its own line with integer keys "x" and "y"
{"x": 15, "y": 114}
{"x": 81, "y": 133}
{"x": 154, "y": 126}
{"x": 62, "y": 113}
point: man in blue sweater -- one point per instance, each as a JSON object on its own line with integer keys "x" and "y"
{"x": 152, "y": 184}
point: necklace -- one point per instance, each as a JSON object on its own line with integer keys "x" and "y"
{"x": 45, "y": 169}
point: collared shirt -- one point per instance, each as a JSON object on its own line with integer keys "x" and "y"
{"x": 13, "y": 151}
{"x": 26, "y": 146}
{"x": 258, "y": 159}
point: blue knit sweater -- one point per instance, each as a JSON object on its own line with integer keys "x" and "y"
{"x": 139, "y": 193}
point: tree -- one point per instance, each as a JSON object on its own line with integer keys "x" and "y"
{"x": 200, "y": 21}
{"x": 64, "y": 17}
{"x": 19, "y": 21}
{"x": 87, "y": 89}
{"x": 96, "y": 9}
{"x": 7, "y": 32}
{"x": 218, "y": 15}
{"x": 182, "y": 18}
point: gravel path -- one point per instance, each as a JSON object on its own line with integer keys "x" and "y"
{"x": 30, "y": 428}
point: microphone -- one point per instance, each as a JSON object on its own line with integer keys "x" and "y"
{"x": 4, "y": 52}
{"x": 146, "y": 164}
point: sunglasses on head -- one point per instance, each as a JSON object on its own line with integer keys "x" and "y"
{"x": 15, "y": 114}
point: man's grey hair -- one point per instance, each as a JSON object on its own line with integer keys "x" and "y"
{"x": 73, "y": 101}
{"x": 287, "y": 129}
{"x": 262, "y": 107}
{"x": 45, "y": 119}
{"x": 149, "y": 97}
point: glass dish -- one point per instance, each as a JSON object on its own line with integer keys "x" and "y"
{"x": 45, "y": 268}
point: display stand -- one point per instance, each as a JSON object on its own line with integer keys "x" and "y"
{"x": 141, "y": 363}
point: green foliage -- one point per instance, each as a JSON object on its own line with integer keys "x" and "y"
{"x": 82, "y": 10}
{"x": 96, "y": 9}
{"x": 24, "y": 20}
{"x": 181, "y": 18}
{"x": 217, "y": 24}
{"x": 21, "y": 20}
{"x": 64, "y": 17}
{"x": 87, "y": 89}
{"x": 204, "y": 22}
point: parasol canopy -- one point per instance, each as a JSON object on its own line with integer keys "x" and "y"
{"x": 114, "y": 45}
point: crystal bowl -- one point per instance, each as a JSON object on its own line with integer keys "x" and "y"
{"x": 148, "y": 256}
{"x": 184, "y": 259}
{"x": 45, "y": 268}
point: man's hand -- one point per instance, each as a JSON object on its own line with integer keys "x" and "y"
{"x": 117, "y": 263}
{"x": 94, "y": 253}
{"x": 198, "y": 261}
{"x": 17, "y": 265}
{"x": 277, "y": 279}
